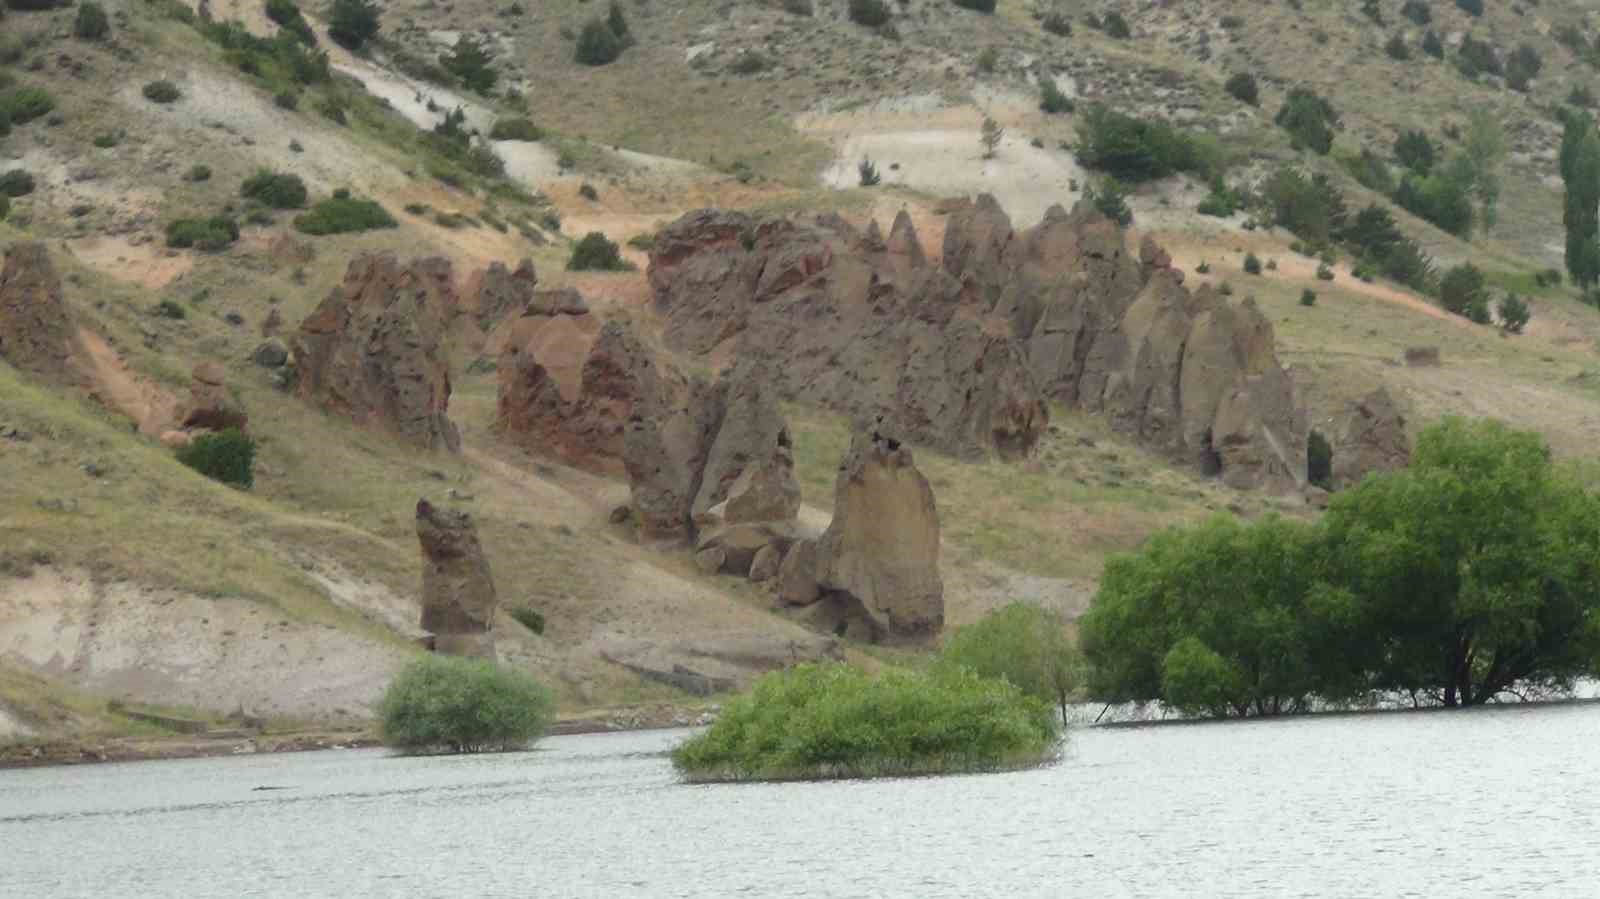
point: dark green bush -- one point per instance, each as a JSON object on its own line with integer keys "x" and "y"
{"x": 162, "y": 91}
{"x": 353, "y": 23}
{"x": 1051, "y": 98}
{"x": 870, "y": 13}
{"x": 91, "y": 23}
{"x": 595, "y": 253}
{"x": 1242, "y": 86}
{"x": 1324, "y": 273}
{"x": 1370, "y": 171}
{"x": 227, "y": 456}
{"x": 867, "y": 173}
{"x": 1221, "y": 202}
{"x": 1475, "y": 57}
{"x": 1136, "y": 150}
{"x": 343, "y": 215}
{"x": 1514, "y": 314}
{"x": 287, "y": 15}
{"x": 5, "y": 207}
{"x": 209, "y": 235}
{"x": 275, "y": 190}
{"x": 827, "y": 721}
{"x": 1110, "y": 200}
{"x": 17, "y": 183}
{"x": 619, "y": 25}
{"x": 531, "y": 619}
{"x": 108, "y": 140}
{"x": 1463, "y": 287}
{"x": 450, "y": 704}
{"x": 1432, "y": 46}
{"x": 1417, "y": 11}
{"x": 518, "y": 128}
{"x": 1115, "y": 26}
{"x": 22, "y": 105}
{"x": 1056, "y": 22}
{"x": 750, "y": 62}
{"x": 198, "y": 172}
{"x": 1252, "y": 264}
{"x": 1310, "y": 207}
{"x": 1397, "y": 48}
{"x": 1309, "y": 119}
{"x": 1415, "y": 151}
{"x": 471, "y": 64}
{"x": 1523, "y": 66}
{"x": 286, "y": 100}
{"x": 170, "y": 309}
{"x": 983, "y": 6}
{"x": 1440, "y": 199}
{"x": 1470, "y": 7}
{"x": 1308, "y": 297}
{"x": 1319, "y": 452}
{"x": 597, "y": 44}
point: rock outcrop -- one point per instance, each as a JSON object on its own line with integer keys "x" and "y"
{"x": 211, "y": 407}
{"x": 493, "y": 295}
{"x": 37, "y": 334}
{"x": 1371, "y": 437}
{"x": 458, "y": 596}
{"x": 373, "y": 350}
{"x": 566, "y": 394}
{"x": 878, "y": 562}
{"x": 963, "y": 354}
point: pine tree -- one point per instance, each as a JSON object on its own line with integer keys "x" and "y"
{"x": 992, "y": 133}
{"x": 1580, "y": 166}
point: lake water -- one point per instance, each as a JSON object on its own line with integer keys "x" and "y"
{"x": 1497, "y": 802}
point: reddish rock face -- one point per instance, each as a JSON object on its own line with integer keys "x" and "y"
{"x": 211, "y": 406}
{"x": 458, "y": 595}
{"x": 373, "y": 350}
{"x": 963, "y": 354}
{"x": 37, "y": 335}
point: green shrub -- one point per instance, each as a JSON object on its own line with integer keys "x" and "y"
{"x": 1242, "y": 87}
{"x": 1051, "y": 99}
{"x": 21, "y": 105}
{"x": 867, "y": 173}
{"x": 1023, "y": 644}
{"x": 108, "y": 140}
{"x": 17, "y": 183}
{"x": 471, "y": 64}
{"x": 1324, "y": 273}
{"x": 1581, "y": 96}
{"x": 1417, "y": 11}
{"x": 286, "y": 14}
{"x": 1204, "y": 268}
{"x": 162, "y": 91}
{"x": 91, "y": 23}
{"x": 1470, "y": 7}
{"x": 1414, "y": 150}
{"x": 1309, "y": 119}
{"x": 1432, "y": 45}
{"x": 1308, "y": 297}
{"x": 353, "y": 23}
{"x": 1397, "y": 48}
{"x": 286, "y": 100}
{"x": 1252, "y": 264}
{"x": 5, "y": 207}
{"x": 1115, "y": 26}
{"x": 450, "y": 704}
{"x": 983, "y": 6}
{"x": 516, "y": 129}
{"x": 209, "y": 235}
{"x": 618, "y": 24}
{"x": 1475, "y": 57}
{"x": 1310, "y": 207}
{"x": 198, "y": 172}
{"x": 597, "y": 44}
{"x": 1110, "y": 200}
{"x": 1135, "y": 150}
{"x": 227, "y": 456}
{"x": 531, "y": 619}
{"x": 1462, "y": 288}
{"x": 870, "y": 13}
{"x": 343, "y": 215}
{"x": 1220, "y": 202}
{"x": 750, "y": 62}
{"x": 1056, "y": 22}
{"x": 170, "y": 309}
{"x": 825, "y": 721}
{"x": 1523, "y": 66}
{"x": 1370, "y": 171}
{"x": 988, "y": 58}
{"x": 595, "y": 253}
{"x": 1514, "y": 314}
{"x": 274, "y": 190}
{"x": 1441, "y": 199}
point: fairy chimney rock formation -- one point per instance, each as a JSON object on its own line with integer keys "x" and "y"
{"x": 37, "y": 335}
{"x": 373, "y": 350}
{"x": 1371, "y": 437}
{"x": 211, "y": 407}
{"x": 881, "y": 551}
{"x": 458, "y": 597}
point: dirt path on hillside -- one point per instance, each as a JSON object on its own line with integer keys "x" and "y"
{"x": 118, "y": 388}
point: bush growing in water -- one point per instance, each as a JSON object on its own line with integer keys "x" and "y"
{"x": 819, "y": 721}
{"x": 274, "y": 190}
{"x": 162, "y": 92}
{"x": 342, "y": 215}
{"x": 450, "y": 704}
{"x": 595, "y": 253}
{"x": 1026, "y": 646}
{"x": 227, "y": 456}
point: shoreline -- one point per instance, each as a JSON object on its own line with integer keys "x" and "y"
{"x": 43, "y": 753}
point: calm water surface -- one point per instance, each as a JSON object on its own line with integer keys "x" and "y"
{"x": 1459, "y": 804}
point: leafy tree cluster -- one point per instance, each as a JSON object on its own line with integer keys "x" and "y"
{"x": 1310, "y": 120}
{"x": 209, "y": 235}
{"x": 602, "y": 40}
{"x": 344, "y": 214}
{"x": 1473, "y": 574}
{"x": 450, "y": 704}
{"x": 471, "y": 64}
{"x": 451, "y": 140}
{"x": 20, "y": 105}
{"x": 833, "y": 720}
{"x": 1110, "y": 199}
{"x": 1314, "y": 209}
{"x": 274, "y": 190}
{"x": 1024, "y": 645}
{"x": 1465, "y": 291}
{"x": 1135, "y": 150}
{"x": 595, "y": 253}
{"x": 353, "y": 23}
{"x": 1580, "y": 172}
{"x": 280, "y": 61}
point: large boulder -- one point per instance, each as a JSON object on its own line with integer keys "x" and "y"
{"x": 458, "y": 596}
{"x": 373, "y": 350}
{"x": 492, "y": 295}
{"x": 749, "y": 468}
{"x": 665, "y": 446}
{"x": 211, "y": 407}
{"x": 37, "y": 334}
{"x": 1371, "y": 437}
{"x": 881, "y": 551}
